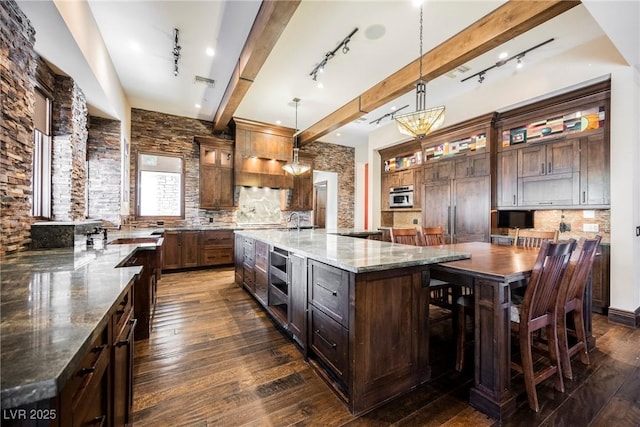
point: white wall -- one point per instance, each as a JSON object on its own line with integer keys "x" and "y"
{"x": 331, "y": 218}
{"x": 565, "y": 71}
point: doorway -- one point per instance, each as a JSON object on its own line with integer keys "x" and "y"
{"x": 320, "y": 204}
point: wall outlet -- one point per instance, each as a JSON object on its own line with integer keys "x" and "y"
{"x": 415, "y": 220}
{"x": 589, "y": 214}
{"x": 594, "y": 228}
{"x": 211, "y": 219}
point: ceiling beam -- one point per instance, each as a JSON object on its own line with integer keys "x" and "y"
{"x": 270, "y": 22}
{"x": 504, "y": 23}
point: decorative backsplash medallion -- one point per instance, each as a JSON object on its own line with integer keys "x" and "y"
{"x": 258, "y": 206}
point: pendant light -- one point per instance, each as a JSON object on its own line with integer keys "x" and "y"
{"x": 422, "y": 121}
{"x": 296, "y": 168}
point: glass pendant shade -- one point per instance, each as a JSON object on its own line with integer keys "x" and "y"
{"x": 420, "y": 123}
{"x": 296, "y": 168}
{"x": 424, "y": 120}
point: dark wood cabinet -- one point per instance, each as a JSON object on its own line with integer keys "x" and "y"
{"x": 594, "y": 170}
{"x": 216, "y": 247}
{"x": 261, "y": 268}
{"x": 145, "y": 288}
{"x": 261, "y": 151}
{"x": 85, "y": 399}
{"x": 507, "y": 179}
{"x": 298, "y": 300}
{"x": 600, "y": 280}
{"x": 197, "y": 248}
{"x": 238, "y": 259}
{"x": 100, "y": 392}
{"x": 122, "y": 362}
{"x": 472, "y": 166}
{"x": 440, "y": 170}
{"x": 216, "y": 173}
{"x": 563, "y": 152}
{"x": 471, "y": 210}
{"x": 300, "y": 196}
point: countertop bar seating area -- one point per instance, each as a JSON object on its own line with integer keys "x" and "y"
{"x": 213, "y": 214}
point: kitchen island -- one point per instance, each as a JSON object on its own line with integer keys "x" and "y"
{"x": 357, "y": 308}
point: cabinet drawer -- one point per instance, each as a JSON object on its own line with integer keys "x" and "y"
{"x": 249, "y": 277}
{"x": 215, "y": 256}
{"x": 261, "y": 255}
{"x": 217, "y": 238}
{"x": 84, "y": 393}
{"x": 122, "y": 312}
{"x": 329, "y": 341}
{"x": 329, "y": 291}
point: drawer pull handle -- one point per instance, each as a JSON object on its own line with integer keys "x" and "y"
{"x": 332, "y": 344}
{"x": 127, "y": 341}
{"x": 87, "y": 371}
{"x": 331, "y": 291}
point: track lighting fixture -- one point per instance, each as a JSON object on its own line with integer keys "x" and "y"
{"x": 176, "y": 51}
{"x": 391, "y": 114}
{"x": 327, "y": 56}
{"x": 518, "y": 57}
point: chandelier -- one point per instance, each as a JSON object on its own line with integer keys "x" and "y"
{"x": 423, "y": 120}
{"x": 296, "y": 168}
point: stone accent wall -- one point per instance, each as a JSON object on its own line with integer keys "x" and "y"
{"x": 18, "y": 65}
{"x": 154, "y": 132}
{"x": 104, "y": 154}
{"x": 69, "y": 122}
{"x": 340, "y": 159}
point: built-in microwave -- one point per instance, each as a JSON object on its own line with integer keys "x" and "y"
{"x": 401, "y": 197}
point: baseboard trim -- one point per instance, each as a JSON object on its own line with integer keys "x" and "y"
{"x": 623, "y": 317}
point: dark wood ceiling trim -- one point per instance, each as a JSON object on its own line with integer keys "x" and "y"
{"x": 504, "y": 23}
{"x": 270, "y": 22}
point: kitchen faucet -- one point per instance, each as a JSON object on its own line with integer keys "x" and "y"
{"x": 297, "y": 219}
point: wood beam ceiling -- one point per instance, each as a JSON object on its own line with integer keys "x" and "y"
{"x": 270, "y": 22}
{"x": 506, "y": 22}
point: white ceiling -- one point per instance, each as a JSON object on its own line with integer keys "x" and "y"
{"x": 146, "y": 72}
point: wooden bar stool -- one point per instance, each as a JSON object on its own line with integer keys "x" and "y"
{"x": 570, "y": 302}
{"x": 538, "y": 311}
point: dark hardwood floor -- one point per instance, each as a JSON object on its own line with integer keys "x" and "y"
{"x": 214, "y": 358}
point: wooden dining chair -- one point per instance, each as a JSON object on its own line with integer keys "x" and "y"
{"x": 538, "y": 311}
{"x": 570, "y": 302}
{"x": 440, "y": 291}
{"x": 405, "y": 236}
{"x": 433, "y": 236}
{"x": 534, "y": 238}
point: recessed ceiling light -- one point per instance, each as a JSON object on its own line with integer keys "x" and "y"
{"x": 320, "y": 85}
{"x": 135, "y": 46}
{"x": 198, "y": 105}
{"x": 503, "y": 55}
{"x": 417, "y": 3}
{"x": 278, "y": 122}
{"x": 210, "y": 51}
{"x": 338, "y": 134}
{"x": 393, "y": 108}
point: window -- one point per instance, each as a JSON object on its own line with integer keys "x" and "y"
{"x": 160, "y": 186}
{"x": 41, "y": 176}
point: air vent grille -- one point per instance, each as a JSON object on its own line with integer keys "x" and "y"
{"x": 208, "y": 82}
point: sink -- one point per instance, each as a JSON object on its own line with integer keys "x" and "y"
{"x": 133, "y": 240}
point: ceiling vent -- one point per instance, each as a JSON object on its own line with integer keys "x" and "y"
{"x": 208, "y": 82}
{"x": 453, "y": 74}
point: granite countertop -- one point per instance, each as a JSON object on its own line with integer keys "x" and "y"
{"x": 353, "y": 254}
{"x": 54, "y": 303}
{"x": 354, "y": 232}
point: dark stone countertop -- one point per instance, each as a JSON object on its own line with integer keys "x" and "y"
{"x": 353, "y": 254}
{"x": 54, "y": 303}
